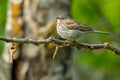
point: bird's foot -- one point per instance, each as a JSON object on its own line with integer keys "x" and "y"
{"x": 68, "y": 42}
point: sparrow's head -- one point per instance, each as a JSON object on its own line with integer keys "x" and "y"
{"x": 63, "y": 16}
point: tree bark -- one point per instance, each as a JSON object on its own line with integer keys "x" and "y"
{"x": 36, "y": 19}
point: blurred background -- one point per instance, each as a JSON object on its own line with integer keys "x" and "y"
{"x": 103, "y": 15}
{"x": 3, "y": 15}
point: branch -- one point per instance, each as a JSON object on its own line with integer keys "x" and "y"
{"x": 64, "y": 43}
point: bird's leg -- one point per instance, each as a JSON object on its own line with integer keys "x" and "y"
{"x": 68, "y": 41}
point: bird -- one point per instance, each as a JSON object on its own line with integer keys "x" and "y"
{"x": 70, "y": 29}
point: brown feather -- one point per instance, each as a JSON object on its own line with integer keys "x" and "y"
{"x": 72, "y": 24}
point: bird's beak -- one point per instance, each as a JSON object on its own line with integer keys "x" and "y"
{"x": 58, "y": 17}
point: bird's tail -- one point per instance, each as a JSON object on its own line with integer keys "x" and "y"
{"x": 101, "y": 32}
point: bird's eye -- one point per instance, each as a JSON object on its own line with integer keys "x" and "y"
{"x": 63, "y": 18}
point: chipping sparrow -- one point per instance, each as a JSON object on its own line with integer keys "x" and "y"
{"x": 70, "y": 29}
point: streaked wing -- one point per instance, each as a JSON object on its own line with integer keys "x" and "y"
{"x": 72, "y": 24}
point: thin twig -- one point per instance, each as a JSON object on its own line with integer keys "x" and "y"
{"x": 56, "y": 49}
{"x": 63, "y": 42}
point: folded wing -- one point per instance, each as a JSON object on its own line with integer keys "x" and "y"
{"x": 72, "y": 24}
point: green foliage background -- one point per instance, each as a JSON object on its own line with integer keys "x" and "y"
{"x": 3, "y": 11}
{"x": 101, "y": 15}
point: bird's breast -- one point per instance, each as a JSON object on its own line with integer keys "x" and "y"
{"x": 67, "y": 33}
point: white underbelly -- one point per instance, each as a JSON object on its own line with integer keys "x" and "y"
{"x": 68, "y": 33}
